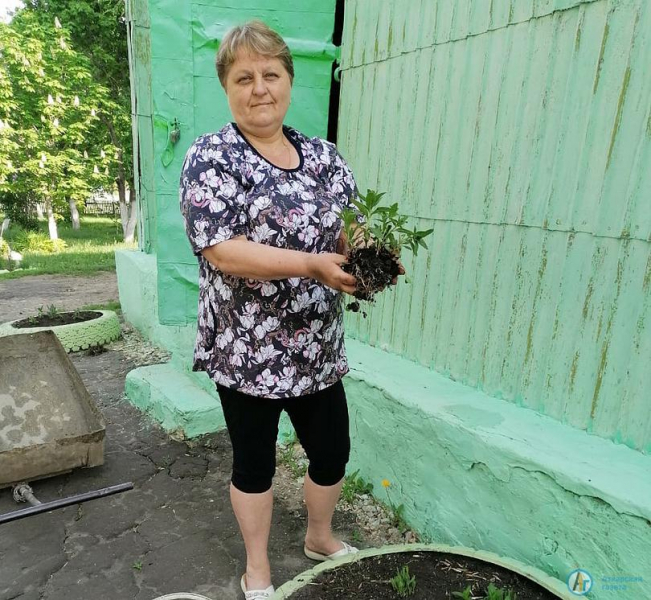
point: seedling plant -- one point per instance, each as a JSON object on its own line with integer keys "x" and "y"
{"x": 375, "y": 245}
{"x": 403, "y": 583}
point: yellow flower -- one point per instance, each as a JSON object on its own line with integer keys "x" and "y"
{"x": 386, "y": 483}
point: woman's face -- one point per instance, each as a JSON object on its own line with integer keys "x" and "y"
{"x": 258, "y": 90}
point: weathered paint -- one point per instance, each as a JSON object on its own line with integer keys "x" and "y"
{"x": 172, "y": 52}
{"x": 492, "y": 476}
{"x": 519, "y": 132}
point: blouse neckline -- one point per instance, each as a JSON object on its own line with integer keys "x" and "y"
{"x": 289, "y": 135}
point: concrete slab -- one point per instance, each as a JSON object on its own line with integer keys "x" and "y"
{"x": 49, "y": 424}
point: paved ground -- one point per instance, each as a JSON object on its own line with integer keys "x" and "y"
{"x": 174, "y": 532}
{"x": 20, "y": 298}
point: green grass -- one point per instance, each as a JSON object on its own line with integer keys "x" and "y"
{"x": 89, "y": 250}
{"x": 113, "y": 305}
{"x": 354, "y": 486}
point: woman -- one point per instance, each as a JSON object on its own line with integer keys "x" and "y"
{"x": 261, "y": 204}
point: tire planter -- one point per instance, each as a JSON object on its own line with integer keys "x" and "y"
{"x": 556, "y": 587}
{"x": 75, "y": 336}
{"x": 182, "y": 596}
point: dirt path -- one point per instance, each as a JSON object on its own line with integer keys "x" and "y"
{"x": 21, "y": 298}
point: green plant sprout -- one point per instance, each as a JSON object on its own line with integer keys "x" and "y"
{"x": 353, "y": 486}
{"x": 382, "y": 227}
{"x": 465, "y": 595}
{"x": 495, "y": 593}
{"x": 397, "y": 510}
{"x": 356, "y": 536}
{"x": 288, "y": 457}
{"x": 403, "y": 583}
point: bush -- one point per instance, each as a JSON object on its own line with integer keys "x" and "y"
{"x": 21, "y": 209}
{"x": 4, "y": 249}
{"x": 33, "y": 241}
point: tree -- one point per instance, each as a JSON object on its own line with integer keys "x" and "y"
{"x": 98, "y": 30}
{"x": 51, "y": 109}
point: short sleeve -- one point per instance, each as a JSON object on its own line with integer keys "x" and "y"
{"x": 342, "y": 180}
{"x": 211, "y": 198}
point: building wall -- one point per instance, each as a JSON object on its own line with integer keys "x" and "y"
{"x": 521, "y": 132}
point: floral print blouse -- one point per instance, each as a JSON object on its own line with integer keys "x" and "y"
{"x": 278, "y": 338}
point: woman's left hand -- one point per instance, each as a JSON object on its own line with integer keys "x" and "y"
{"x": 401, "y": 271}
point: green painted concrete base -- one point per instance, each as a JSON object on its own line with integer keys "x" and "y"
{"x": 174, "y": 400}
{"x": 471, "y": 470}
{"x": 484, "y": 473}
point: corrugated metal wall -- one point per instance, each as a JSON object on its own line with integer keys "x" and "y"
{"x": 521, "y": 132}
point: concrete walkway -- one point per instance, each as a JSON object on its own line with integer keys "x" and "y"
{"x": 174, "y": 532}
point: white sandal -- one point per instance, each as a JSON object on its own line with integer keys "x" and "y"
{"x": 345, "y": 551}
{"x": 255, "y": 594}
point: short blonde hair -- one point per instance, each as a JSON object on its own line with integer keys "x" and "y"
{"x": 255, "y": 37}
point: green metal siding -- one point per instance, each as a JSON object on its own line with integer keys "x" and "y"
{"x": 521, "y": 132}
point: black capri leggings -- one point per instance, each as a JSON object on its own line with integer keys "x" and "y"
{"x": 321, "y": 423}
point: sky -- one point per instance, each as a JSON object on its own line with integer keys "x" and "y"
{"x": 6, "y": 6}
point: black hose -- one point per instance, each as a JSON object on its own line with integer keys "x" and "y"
{"x": 63, "y": 502}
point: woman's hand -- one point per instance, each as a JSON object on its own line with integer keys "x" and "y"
{"x": 326, "y": 269}
{"x": 401, "y": 271}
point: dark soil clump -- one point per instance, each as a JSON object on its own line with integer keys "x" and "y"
{"x": 65, "y": 318}
{"x": 374, "y": 268}
{"x": 438, "y": 574}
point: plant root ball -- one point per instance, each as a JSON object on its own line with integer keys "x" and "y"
{"x": 374, "y": 268}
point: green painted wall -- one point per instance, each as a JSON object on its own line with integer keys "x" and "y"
{"x": 173, "y": 55}
{"x": 521, "y": 132}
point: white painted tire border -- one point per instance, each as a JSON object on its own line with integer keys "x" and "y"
{"x": 75, "y": 336}
{"x": 551, "y": 584}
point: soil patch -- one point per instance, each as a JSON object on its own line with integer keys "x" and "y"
{"x": 59, "y": 319}
{"x": 374, "y": 269}
{"x": 437, "y": 575}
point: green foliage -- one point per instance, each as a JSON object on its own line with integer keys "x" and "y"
{"x": 113, "y": 305}
{"x": 20, "y": 208}
{"x": 88, "y": 250}
{"x": 64, "y": 129}
{"x": 398, "y": 519}
{"x": 288, "y": 457}
{"x": 4, "y": 249}
{"x": 98, "y": 31}
{"x": 51, "y": 311}
{"x": 23, "y": 241}
{"x": 354, "y": 485}
{"x": 465, "y": 595}
{"x": 383, "y": 226}
{"x": 403, "y": 583}
{"x": 356, "y": 536}
{"x": 494, "y": 593}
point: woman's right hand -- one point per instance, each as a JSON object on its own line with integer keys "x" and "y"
{"x": 326, "y": 269}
